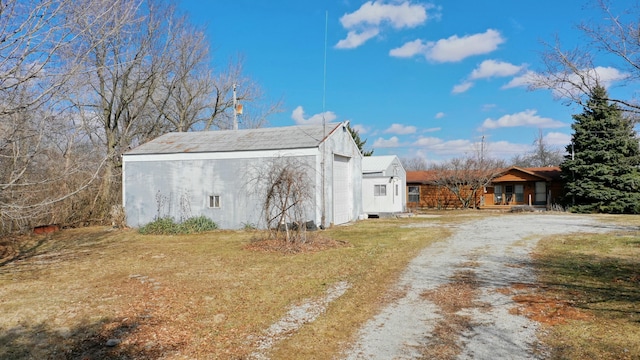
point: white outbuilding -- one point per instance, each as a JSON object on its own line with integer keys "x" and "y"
{"x": 384, "y": 182}
{"x": 218, "y": 174}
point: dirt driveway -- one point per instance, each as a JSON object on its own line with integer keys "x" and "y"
{"x": 452, "y": 302}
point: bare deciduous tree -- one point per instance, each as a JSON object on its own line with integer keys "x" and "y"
{"x": 414, "y": 164}
{"x": 285, "y": 188}
{"x": 247, "y": 92}
{"x": 465, "y": 176}
{"x": 573, "y": 74}
{"x": 37, "y": 173}
{"x": 127, "y": 42}
{"x": 185, "y": 91}
{"x": 82, "y": 81}
{"x": 542, "y": 155}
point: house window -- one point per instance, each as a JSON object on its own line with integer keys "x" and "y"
{"x": 380, "y": 190}
{"x": 519, "y": 193}
{"x": 397, "y": 189}
{"x": 214, "y": 201}
{"x": 414, "y": 194}
{"x": 541, "y": 192}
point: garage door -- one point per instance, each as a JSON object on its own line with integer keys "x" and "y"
{"x": 342, "y": 196}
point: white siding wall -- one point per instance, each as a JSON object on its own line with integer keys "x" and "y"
{"x": 393, "y": 178}
{"x": 179, "y": 185}
{"x": 180, "y": 188}
{"x": 341, "y": 143}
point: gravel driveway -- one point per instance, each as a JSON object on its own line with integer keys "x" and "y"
{"x": 478, "y": 260}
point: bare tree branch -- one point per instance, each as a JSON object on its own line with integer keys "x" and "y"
{"x": 573, "y": 74}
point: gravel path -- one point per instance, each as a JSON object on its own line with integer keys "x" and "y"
{"x": 495, "y": 251}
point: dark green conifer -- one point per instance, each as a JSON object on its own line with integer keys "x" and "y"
{"x": 359, "y": 142}
{"x": 601, "y": 170}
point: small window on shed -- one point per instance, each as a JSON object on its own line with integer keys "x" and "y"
{"x": 214, "y": 201}
{"x": 380, "y": 190}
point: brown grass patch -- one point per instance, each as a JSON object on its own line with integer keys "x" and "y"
{"x": 547, "y": 310}
{"x": 456, "y": 295}
{"x": 314, "y": 244}
{"x": 444, "y": 342}
{"x": 459, "y": 294}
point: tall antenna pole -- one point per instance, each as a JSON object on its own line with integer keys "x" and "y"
{"x": 235, "y": 112}
{"x": 324, "y": 130}
{"x": 324, "y": 74}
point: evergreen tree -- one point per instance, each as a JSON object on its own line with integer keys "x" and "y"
{"x": 601, "y": 172}
{"x": 359, "y": 142}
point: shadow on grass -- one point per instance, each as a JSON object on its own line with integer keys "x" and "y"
{"x": 597, "y": 283}
{"x": 51, "y": 247}
{"x": 101, "y": 340}
{"x": 14, "y": 249}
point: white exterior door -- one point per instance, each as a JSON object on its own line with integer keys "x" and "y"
{"x": 342, "y": 193}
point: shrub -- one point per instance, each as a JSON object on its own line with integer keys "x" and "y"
{"x": 160, "y": 226}
{"x": 167, "y": 226}
{"x": 197, "y": 224}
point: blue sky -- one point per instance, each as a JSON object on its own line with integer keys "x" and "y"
{"x": 417, "y": 79}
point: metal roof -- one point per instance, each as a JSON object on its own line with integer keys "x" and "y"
{"x": 288, "y": 137}
{"x": 377, "y": 163}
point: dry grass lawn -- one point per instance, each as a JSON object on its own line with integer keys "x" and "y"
{"x": 205, "y": 296}
{"x": 212, "y": 296}
{"x": 588, "y": 294}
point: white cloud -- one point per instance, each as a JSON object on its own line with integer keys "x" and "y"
{"x": 453, "y": 147}
{"x": 399, "y": 129}
{"x": 487, "y": 107}
{"x": 399, "y": 15}
{"x": 432, "y": 130}
{"x": 460, "y": 88}
{"x": 605, "y": 76}
{"x": 361, "y": 129}
{"x": 524, "y": 80}
{"x": 505, "y": 149}
{"x": 366, "y": 22}
{"x": 355, "y": 39}
{"x": 557, "y": 139}
{"x": 453, "y": 48}
{"x": 456, "y": 48}
{"x": 524, "y": 118}
{"x": 427, "y": 141}
{"x": 409, "y": 49}
{"x": 299, "y": 117}
{"x": 440, "y": 115}
{"x": 609, "y": 75}
{"x": 437, "y": 146}
{"x": 493, "y": 68}
{"x": 390, "y": 143}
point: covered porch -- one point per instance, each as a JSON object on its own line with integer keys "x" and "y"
{"x": 535, "y": 187}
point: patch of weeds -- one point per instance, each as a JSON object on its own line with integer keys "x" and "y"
{"x": 249, "y": 226}
{"x": 168, "y": 226}
{"x": 197, "y": 225}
